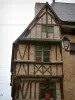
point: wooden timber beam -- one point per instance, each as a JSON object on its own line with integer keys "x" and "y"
{"x": 39, "y": 79}
{"x": 39, "y": 76}
{"x": 41, "y": 41}
{"x": 34, "y": 62}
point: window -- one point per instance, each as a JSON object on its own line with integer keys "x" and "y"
{"x": 42, "y": 53}
{"x": 46, "y": 53}
{"x": 38, "y": 53}
{"x": 72, "y": 48}
{"x": 51, "y": 89}
{"x": 48, "y": 29}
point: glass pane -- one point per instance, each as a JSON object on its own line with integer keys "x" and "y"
{"x": 38, "y": 59}
{"x": 46, "y": 48}
{"x": 51, "y": 91}
{"x": 46, "y": 59}
{"x": 38, "y": 53}
{"x": 38, "y": 47}
{"x": 72, "y": 46}
{"x": 50, "y": 29}
{"x": 46, "y": 53}
{"x": 52, "y": 84}
{"x": 43, "y": 28}
{"x": 43, "y": 92}
{"x": 66, "y": 44}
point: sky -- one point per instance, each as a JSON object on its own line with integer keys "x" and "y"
{"x": 15, "y": 15}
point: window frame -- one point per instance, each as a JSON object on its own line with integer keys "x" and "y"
{"x": 72, "y": 51}
{"x": 51, "y": 87}
{"x": 42, "y": 53}
{"x": 46, "y": 26}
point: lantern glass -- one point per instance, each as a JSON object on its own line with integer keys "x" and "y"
{"x": 66, "y": 43}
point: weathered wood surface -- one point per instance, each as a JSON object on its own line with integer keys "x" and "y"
{"x": 45, "y": 18}
{"x": 31, "y": 91}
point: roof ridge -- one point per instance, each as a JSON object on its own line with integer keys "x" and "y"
{"x": 63, "y": 3}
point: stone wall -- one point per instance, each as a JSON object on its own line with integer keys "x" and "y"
{"x": 69, "y": 72}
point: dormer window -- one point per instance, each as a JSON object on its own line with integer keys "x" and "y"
{"x": 49, "y": 28}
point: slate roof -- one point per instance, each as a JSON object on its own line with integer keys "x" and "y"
{"x": 65, "y": 11}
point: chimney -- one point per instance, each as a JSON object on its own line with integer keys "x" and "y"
{"x": 38, "y": 7}
{"x": 53, "y": 1}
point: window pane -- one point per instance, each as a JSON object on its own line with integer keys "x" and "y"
{"x": 43, "y": 28}
{"x": 44, "y": 91}
{"x": 46, "y": 59}
{"x": 50, "y": 90}
{"x": 72, "y": 53}
{"x": 47, "y": 29}
{"x": 46, "y": 48}
{"x": 38, "y": 53}
{"x": 50, "y": 29}
{"x": 38, "y": 58}
{"x": 46, "y": 53}
{"x": 38, "y": 47}
{"x": 72, "y": 46}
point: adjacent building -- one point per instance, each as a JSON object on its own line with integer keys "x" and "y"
{"x": 39, "y": 63}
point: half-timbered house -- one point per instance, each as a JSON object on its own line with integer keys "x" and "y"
{"x": 39, "y": 65}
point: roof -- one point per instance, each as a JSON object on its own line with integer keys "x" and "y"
{"x": 25, "y": 33}
{"x": 62, "y": 12}
{"x": 65, "y": 11}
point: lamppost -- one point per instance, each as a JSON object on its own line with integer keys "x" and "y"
{"x": 65, "y": 43}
